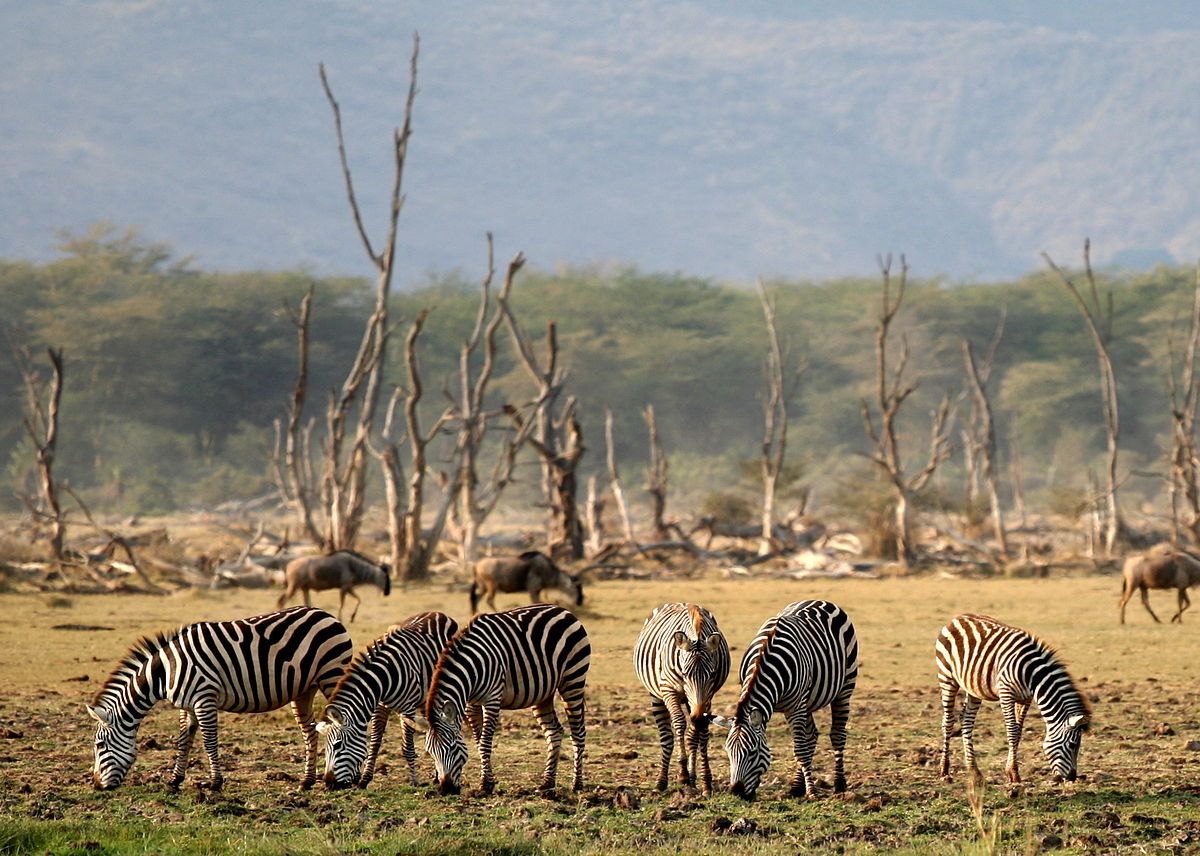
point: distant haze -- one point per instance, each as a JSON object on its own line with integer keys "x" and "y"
{"x": 730, "y": 140}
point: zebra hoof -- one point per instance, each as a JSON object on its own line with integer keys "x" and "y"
{"x": 839, "y": 785}
{"x": 798, "y": 791}
{"x": 306, "y": 784}
{"x": 487, "y": 787}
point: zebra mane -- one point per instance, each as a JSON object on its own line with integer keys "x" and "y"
{"x": 751, "y": 680}
{"x": 140, "y": 653}
{"x": 697, "y": 620}
{"x": 439, "y": 667}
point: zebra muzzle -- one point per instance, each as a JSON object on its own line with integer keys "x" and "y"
{"x": 332, "y": 783}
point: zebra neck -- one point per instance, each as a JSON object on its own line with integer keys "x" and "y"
{"x": 141, "y": 691}
{"x": 361, "y": 691}
{"x": 1053, "y": 691}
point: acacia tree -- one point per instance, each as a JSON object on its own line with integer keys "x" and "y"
{"x": 891, "y": 391}
{"x": 1098, "y": 319}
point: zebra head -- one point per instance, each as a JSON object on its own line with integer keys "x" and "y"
{"x": 345, "y": 750}
{"x": 749, "y": 753}
{"x": 445, "y": 744}
{"x": 115, "y": 749}
{"x": 698, "y": 664}
{"x": 1061, "y": 745}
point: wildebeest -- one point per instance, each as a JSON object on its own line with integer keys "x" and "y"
{"x": 342, "y": 569}
{"x": 531, "y": 571}
{"x": 1159, "y": 569}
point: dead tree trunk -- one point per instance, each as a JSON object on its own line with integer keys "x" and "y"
{"x": 1184, "y": 391}
{"x": 891, "y": 391}
{"x": 614, "y": 478}
{"x": 41, "y": 425}
{"x": 1098, "y": 319}
{"x": 656, "y": 479}
{"x": 984, "y": 440}
{"x": 293, "y": 463}
{"x": 779, "y": 391}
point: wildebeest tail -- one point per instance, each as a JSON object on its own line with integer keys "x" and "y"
{"x": 474, "y": 595}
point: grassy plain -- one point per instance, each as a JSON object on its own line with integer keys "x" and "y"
{"x": 1139, "y": 790}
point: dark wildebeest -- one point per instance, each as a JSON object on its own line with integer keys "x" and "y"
{"x": 342, "y": 569}
{"x": 1159, "y": 569}
{"x": 531, "y": 571}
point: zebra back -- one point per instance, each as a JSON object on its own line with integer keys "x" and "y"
{"x": 801, "y": 659}
{"x": 521, "y": 655}
{"x": 681, "y": 645}
{"x": 394, "y": 670}
{"x": 983, "y": 656}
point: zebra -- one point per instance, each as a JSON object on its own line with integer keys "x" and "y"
{"x": 507, "y": 660}
{"x": 342, "y": 570}
{"x": 250, "y": 665}
{"x": 992, "y": 661}
{"x": 392, "y": 674}
{"x": 682, "y": 660}
{"x": 803, "y": 659}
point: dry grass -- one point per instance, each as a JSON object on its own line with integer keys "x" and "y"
{"x": 1138, "y": 785}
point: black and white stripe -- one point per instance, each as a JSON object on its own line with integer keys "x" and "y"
{"x": 392, "y": 674}
{"x": 802, "y": 660}
{"x": 507, "y": 661}
{"x": 992, "y": 661}
{"x": 682, "y": 660}
{"x": 246, "y": 666}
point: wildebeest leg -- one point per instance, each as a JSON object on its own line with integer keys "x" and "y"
{"x": 286, "y": 596}
{"x": 357, "y": 602}
{"x": 491, "y": 597}
{"x": 302, "y": 710}
{"x": 307, "y": 596}
{"x": 1184, "y": 603}
{"x": 1146, "y": 603}
{"x": 1126, "y": 593}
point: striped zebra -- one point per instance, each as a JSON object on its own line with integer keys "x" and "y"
{"x": 506, "y": 661}
{"x": 250, "y": 665}
{"x": 803, "y": 659}
{"x": 682, "y": 660}
{"x": 392, "y": 674}
{"x": 992, "y": 661}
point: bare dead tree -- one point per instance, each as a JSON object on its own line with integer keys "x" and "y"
{"x": 1098, "y": 319}
{"x": 477, "y": 499}
{"x": 891, "y": 391}
{"x": 614, "y": 478}
{"x": 292, "y": 458}
{"x": 983, "y": 437}
{"x": 594, "y": 516}
{"x": 1184, "y": 391}
{"x": 656, "y": 478}
{"x": 388, "y": 455}
{"x": 351, "y": 410}
{"x": 974, "y": 437}
{"x": 781, "y": 386}
{"x": 557, "y": 436}
{"x": 43, "y": 397}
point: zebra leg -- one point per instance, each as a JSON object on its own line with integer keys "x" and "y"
{"x": 666, "y": 741}
{"x": 302, "y": 710}
{"x": 379, "y": 720}
{"x": 840, "y": 710}
{"x": 697, "y": 735}
{"x": 410, "y": 753}
{"x": 183, "y": 745}
{"x": 804, "y": 744}
{"x": 949, "y": 696}
{"x": 970, "y": 709}
{"x": 1012, "y": 729}
{"x": 576, "y": 708}
{"x": 552, "y": 729}
{"x": 491, "y": 721}
{"x": 474, "y": 716}
{"x": 206, "y": 717}
{"x": 678, "y": 723}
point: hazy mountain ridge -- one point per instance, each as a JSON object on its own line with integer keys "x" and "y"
{"x": 659, "y": 133}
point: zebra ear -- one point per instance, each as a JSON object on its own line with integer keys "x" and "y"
{"x": 330, "y": 716}
{"x": 722, "y": 721}
{"x": 1080, "y": 721}
{"x": 447, "y": 710}
{"x": 322, "y": 726}
{"x": 97, "y": 715}
{"x": 713, "y": 643}
{"x": 681, "y": 640}
{"x": 757, "y": 718}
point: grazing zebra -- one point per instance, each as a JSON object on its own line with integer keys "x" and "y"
{"x": 990, "y": 660}
{"x": 392, "y": 674}
{"x": 532, "y": 571}
{"x": 250, "y": 665}
{"x": 802, "y": 660}
{"x": 342, "y": 570}
{"x": 682, "y": 659}
{"x": 506, "y": 661}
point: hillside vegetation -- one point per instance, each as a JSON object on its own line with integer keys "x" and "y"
{"x": 174, "y": 375}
